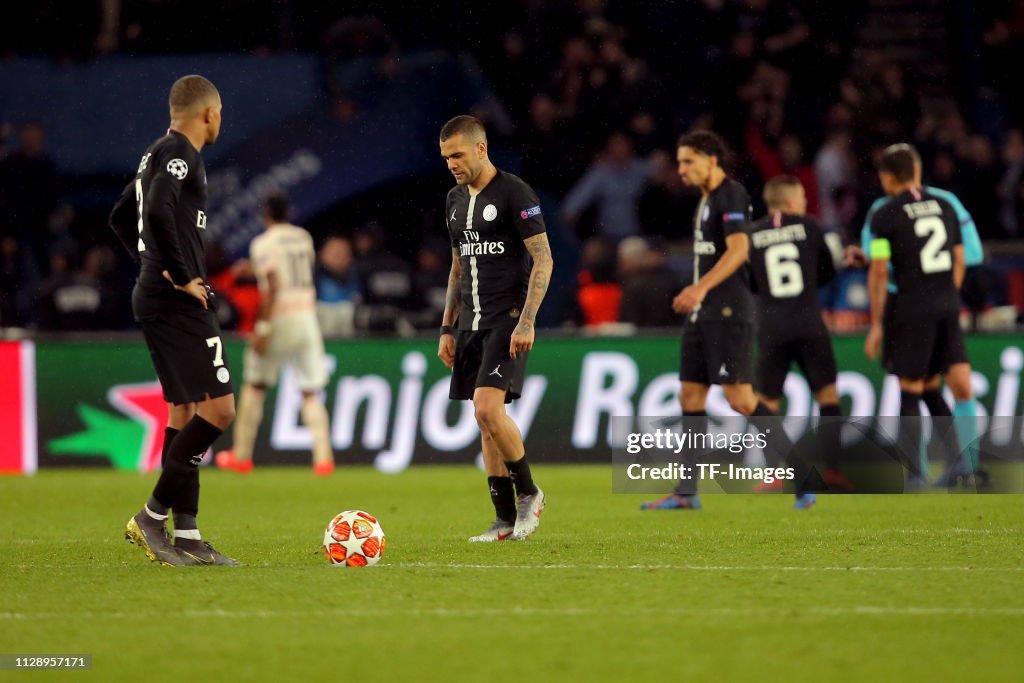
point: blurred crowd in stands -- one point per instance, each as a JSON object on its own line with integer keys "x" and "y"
{"x": 593, "y": 94}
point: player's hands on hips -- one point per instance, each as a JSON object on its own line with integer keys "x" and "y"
{"x": 688, "y": 299}
{"x": 522, "y": 339}
{"x": 446, "y": 350}
{"x": 873, "y": 344}
{"x": 195, "y": 288}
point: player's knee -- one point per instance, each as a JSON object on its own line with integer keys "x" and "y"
{"x": 487, "y": 416}
{"x": 691, "y": 401}
{"x": 220, "y": 413}
{"x": 743, "y": 402}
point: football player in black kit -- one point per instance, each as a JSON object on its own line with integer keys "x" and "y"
{"x": 496, "y": 231}
{"x": 718, "y": 336}
{"x": 918, "y": 232}
{"x": 791, "y": 256}
{"x": 160, "y": 219}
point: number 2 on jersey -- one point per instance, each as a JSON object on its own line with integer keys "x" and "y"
{"x": 935, "y": 258}
{"x": 781, "y": 262}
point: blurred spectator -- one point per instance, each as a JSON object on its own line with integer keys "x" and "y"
{"x": 28, "y": 194}
{"x": 836, "y": 177}
{"x": 892, "y": 107}
{"x": 10, "y": 264}
{"x": 430, "y": 283}
{"x": 336, "y": 277}
{"x": 1011, "y": 185}
{"x": 385, "y": 278}
{"x": 785, "y": 158}
{"x": 614, "y": 183}
{"x": 648, "y": 286}
{"x": 337, "y": 287}
{"x": 71, "y": 300}
{"x": 981, "y": 176}
{"x": 239, "y": 303}
{"x": 596, "y": 297}
{"x": 549, "y": 138}
{"x": 666, "y": 206}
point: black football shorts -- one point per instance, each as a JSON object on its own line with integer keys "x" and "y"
{"x": 917, "y": 348}
{"x": 188, "y": 352}
{"x": 812, "y": 353}
{"x": 717, "y": 353}
{"x": 482, "y": 360}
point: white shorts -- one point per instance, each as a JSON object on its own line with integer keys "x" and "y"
{"x": 295, "y": 340}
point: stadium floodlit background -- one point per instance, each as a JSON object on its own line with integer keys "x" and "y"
{"x": 341, "y": 104}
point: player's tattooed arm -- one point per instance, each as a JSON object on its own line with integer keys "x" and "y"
{"x": 452, "y": 297}
{"x": 452, "y": 304}
{"x": 540, "y": 278}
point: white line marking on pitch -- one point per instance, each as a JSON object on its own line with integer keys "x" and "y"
{"x": 611, "y": 567}
{"x": 772, "y": 612}
{"x": 701, "y": 568}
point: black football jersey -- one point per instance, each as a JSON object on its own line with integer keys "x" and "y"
{"x": 161, "y": 215}
{"x": 922, "y": 229}
{"x": 790, "y": 258}
{"x": 488, "y": 230}
{"x": 725, "y": 211}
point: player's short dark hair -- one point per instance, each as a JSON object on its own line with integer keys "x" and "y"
{"x": 469, "y": 126}
{"x": 776, "y": 188}
{"x": 190, "y": 91}
{"x": 900, "y": 160}
{"x": 277, "y": 205}
{"x": 704, "y": 142}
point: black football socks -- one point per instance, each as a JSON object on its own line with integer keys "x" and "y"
{"x": 909, "y": 441}
{"x": 519, "y": 471}
{"x": 182, "y": 462}
{"x": 695, "y": 422}
{"x": 830, "y": 434}
{"x": 503, "y": 497}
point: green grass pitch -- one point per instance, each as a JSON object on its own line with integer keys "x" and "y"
{"x": 879, "y": 588}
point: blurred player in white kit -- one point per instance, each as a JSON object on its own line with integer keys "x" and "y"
{"x": 286, "y": 331}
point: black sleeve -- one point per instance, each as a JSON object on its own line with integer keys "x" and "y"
{"x": 952, "y": 224}
{"x": 879, "y": 225}
{"x": 826, "y": 269}
{"x": 160, "y": 208}
{"x": 124, "y": 221}
{"x": 735, "y": 210}
{"x": 526, "y": 213}
{"x": 826, "y": 261}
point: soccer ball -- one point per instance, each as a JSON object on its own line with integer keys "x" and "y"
{"x": 354, "y": 539}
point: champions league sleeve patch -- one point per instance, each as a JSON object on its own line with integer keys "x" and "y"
{"x": 177, "y": 168}
{"x": 529, "y": 213}
{"x": 735, "y": 216}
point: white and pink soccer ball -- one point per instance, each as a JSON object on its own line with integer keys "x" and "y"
{"x": 354, "y": 539}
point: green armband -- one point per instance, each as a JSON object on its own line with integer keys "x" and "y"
{"x": 880, "y": 249}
